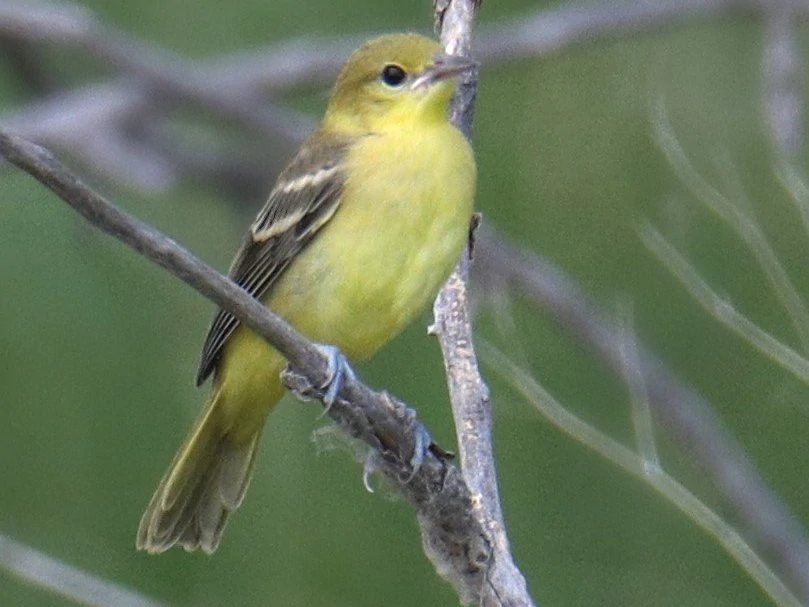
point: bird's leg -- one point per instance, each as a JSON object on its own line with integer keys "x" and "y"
{"x": 422, "y": 445}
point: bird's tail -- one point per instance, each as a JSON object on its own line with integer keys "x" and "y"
{"x": 205, "y": 482}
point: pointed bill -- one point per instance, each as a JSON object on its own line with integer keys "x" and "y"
{"x": 443, "y": 66}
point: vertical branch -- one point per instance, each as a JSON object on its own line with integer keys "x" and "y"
{"x": 782, "y": 79}
{"x": 638, "y": 393}
{"x": 471, "y": 407}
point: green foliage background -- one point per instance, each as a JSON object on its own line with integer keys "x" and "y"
{"x": 99, "y": 348}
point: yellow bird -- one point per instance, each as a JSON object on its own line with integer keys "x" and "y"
{"x": 358, "y": 234}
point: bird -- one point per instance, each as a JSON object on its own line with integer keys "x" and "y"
{"x": 358, "y": 233}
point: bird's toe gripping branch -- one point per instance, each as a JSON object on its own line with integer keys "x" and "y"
{"x": 420, "y": 448}
{"x": 338, "y": 371}
{"x": 423, "y": 444}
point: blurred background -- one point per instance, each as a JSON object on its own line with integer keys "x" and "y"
{"x": 581, "y": 150}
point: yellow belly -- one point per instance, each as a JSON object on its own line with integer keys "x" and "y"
{"x": 401, "y": 226}
{"x": 400, "y": 229}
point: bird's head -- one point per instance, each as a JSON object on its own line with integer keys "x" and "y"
{"x": 393, "y": 80}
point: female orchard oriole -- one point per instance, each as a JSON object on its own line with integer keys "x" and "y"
{"x": 358, "y": 234}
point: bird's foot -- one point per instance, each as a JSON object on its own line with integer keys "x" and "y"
{"x": 338, "y": 371}
{"x": 422, "y": 446}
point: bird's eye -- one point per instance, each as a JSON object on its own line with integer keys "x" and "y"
{"x": 393, "y": 75}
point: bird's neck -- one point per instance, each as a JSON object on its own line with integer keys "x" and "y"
{"x": 405, "y": 115}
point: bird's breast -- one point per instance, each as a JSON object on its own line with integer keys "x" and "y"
{"x": 402, "y": 223}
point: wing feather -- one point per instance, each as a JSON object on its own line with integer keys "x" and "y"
{"x": 305, "y": 197}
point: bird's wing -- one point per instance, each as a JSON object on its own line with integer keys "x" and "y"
{"x": 305, "y": 197}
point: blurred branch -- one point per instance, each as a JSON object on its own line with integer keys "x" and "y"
{"x": 387, "y": 425}
{"x": 745, "y": 225}
{"x": 158, "y": 69}
{"x": 771, "y": 525}
{"x": 721, "y": 308}
{"x": 87, "y": 121}
{"x": 782, "y": 78}
{"x": 547, "y": 31}
{"x": 638, "y": 396}
{"x": 639, "y": 466}
{"x": 231, "y": 86}
{"x": 92, "y": 121}
{"x": 794, "y": 182}
{"x": 65, "y": 580}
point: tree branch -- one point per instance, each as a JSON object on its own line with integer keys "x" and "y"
{"x": 387, "y": 425}
{"x": 471, "y": 407}
{"x": 772, "y": 526}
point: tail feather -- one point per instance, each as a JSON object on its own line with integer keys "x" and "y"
{"x": 236, "y": 471}
{"x": 205, "y": 482}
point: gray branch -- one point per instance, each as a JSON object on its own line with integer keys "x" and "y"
{"x": 782, "y": 79}
{"x": 435, "y": 488}
{"x": 73, "y": 584}
{"x": 503, "y": 582}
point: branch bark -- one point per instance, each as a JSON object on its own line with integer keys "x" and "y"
{"x": 503, "y": 583}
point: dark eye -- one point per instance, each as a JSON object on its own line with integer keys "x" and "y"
{"x": 393, "y": 75}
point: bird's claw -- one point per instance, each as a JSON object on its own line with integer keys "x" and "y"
{"x": 421, "y": 447}
{"x": 440, "y": 452}
{"x": 369, "y": 467}
{"x": 338, "y": 372}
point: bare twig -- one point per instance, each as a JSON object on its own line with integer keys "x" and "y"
{"x": 159, "y": 69}
{"x": 87, "y": 121}
{"x": 740, "y": 221}
{"x": 547, "y": 31}
{"x": 471, "y": 407}
{"x": 639, "y": 399}
{"x": 65, "y": 580}
{"x": 771, "y": 525}
{"x": 721, "y": 308}
{"x": 639, "y": 466}
{"x": 387, "y": 425}
{"x": 794, "y": 182}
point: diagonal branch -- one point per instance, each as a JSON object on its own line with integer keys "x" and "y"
{"x": 230, "y": 85}
{"x": 640, "y": 466}
{"x": 435, "y": 488}
{"x": 772, "y": 527}
{"x": 69, "y": 582}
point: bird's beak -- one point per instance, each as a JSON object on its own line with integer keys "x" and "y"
{"x": 443, "y": 66}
